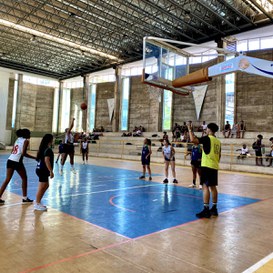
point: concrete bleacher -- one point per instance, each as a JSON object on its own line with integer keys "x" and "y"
{"x": 112, "y": 145}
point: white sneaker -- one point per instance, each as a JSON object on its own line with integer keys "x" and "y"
{"x": 73, "y": 170}
{"x": 200, "y": 187}
{"x": 192, "y": 186}
{"x": 61, "y": 172}
{"x": 40, "y": 207}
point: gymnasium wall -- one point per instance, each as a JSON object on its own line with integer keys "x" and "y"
{"x": 254, "y": 95}
{"x": 5, "y": 133}
{"x": 144, "y": 107}
{"x": 104, "y": 91}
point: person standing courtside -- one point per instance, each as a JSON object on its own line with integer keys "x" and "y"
{"x": 146, "y": 158}
{"x": 44, "y": 169}
{"x": 84, "y": 151}
{"x": 15, "y": 163}
{"x": 209, "y": 168}
{"x": 68, "y": 148}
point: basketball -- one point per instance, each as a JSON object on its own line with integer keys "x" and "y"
{"x": 83, "y": 106}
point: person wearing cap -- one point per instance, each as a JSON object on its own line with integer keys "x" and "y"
{"x": 211, "y": 155}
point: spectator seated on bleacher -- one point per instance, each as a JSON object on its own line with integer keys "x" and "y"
{"x": 234, "y": 130}
{"x": 98, "y": 130}
{"x": 244, "y": 152}
{"x": 176, "y": 125}
{"x": 137, "y": 132}
{"x": 241, "y": 129}
{"x": 227, "y": 130}
{"x": 202, "y": 128}
{"x": 126, "y": 134}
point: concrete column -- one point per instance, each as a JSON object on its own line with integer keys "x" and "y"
{"x": 85, "y": 99}
{"x": 220, "y": 92}
{"x": 116, "y": 116}
{"x": 19, "y": 102}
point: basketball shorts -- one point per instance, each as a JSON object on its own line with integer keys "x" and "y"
{"x": 145, "y": 161}
{"x": 43, "y": 175}
{"x": 68, "y": 149}
{"x": 196, "y": 163}
{"x": 168, "y": 159}
{"x": 209, "y": 176}
{"x": 17, "y": 166}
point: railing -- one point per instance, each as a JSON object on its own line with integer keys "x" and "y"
{"x": 122, "y": 150}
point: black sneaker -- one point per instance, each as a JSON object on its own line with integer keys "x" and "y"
{"x": 213, "y": 211}
{"x": 175, "y": 181}
{"x": 2, "y": 202}
{"x": 165, "y": 181}
{"x": 150, "y": 178}
{"x": 205, "y": 213}
{"x": 142, "y": 177}
{"x": 27, "y": 201}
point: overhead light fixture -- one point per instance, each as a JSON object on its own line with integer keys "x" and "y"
{"x": 57, "y": 40}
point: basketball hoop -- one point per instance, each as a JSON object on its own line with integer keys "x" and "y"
{"x": 155, "y": 92}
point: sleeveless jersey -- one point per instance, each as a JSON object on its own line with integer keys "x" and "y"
{"x": 212, "y": 159}
{"x": 167, "y": 151}
{"x": 196, "y": 153}
{"x": 69, "y": 139}
{"x": 145, "y": 151}
{"x": 17, "y": 150}
{"x": 84, "y": 145}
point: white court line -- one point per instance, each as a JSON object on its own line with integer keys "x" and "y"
{"x": 14, "y": 204}
{"x": 259, "y": 264}
{"x": 110, "y": 190}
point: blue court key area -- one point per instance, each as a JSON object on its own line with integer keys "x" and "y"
{"x": 117, "y": 200}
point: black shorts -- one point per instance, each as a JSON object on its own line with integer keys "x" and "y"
{"x": 209, "y": 176}
{"x": 145, "y": 161}
{"x": 196, "y": 163}
{"x": 84, "y": 151}
{"x": 168, "y": 159}
{"x": 17, "y": 166}
{"x": 43, "y": 175}
{"x": 68, "y": 149}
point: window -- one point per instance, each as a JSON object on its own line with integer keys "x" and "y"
{"x": 92, "y": 106}
{"x": 65, "y": 115}
{"x": 167, "y": 102}
{"x": 167, "y": 110}
{"x": 267, "y": 42}
{"x": 253, "y": 44}
{"x": 125, "y": 104}
{"x": 230, "y": 94}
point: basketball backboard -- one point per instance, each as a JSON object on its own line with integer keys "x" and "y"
{"x": 163, "y": 63}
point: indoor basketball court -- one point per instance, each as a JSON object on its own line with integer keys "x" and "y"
{"x": 109, "y": 69}
{"x": 107, "y": 212}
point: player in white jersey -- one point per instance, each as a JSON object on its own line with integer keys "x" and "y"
{"x": 15, "y": 163}
{"x": 168, "y": 155}
{"x": 68, "y": 148}
{"x": 84, "y": 150}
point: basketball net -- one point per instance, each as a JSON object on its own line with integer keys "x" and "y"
{"x": 155, "y": 92}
